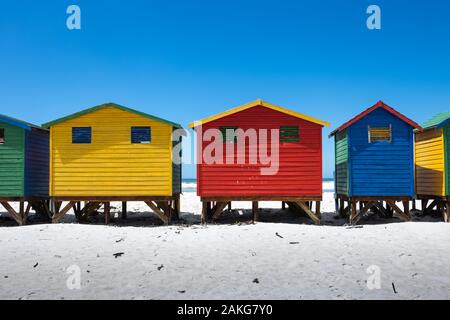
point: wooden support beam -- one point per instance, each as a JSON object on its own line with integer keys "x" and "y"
{"x": 107, "y": 210}
{"x": 283, "y": 205}
{"x": 161, "y": 214}
{"x": 402, "y": 215}
{"x": 306, "y": 209}
{"x": 406, "y": 212}
{"x": 446, "y": 212}
{"x": 229, "y": 206}
{"x": 57, "y": 216}
{"x": 318, "y": 214}
{"x": 12, "y": 213}
{"x": 354, "y": 215}
{"x": 255, "y": 211}
{"x": 218, "y": 209}
{"x": 205, "y": 215}
{"x": 124, "y": 210}
{"x": 366, "y": 207}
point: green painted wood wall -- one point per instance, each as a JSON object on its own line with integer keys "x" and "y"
{"x": 341, "y": 154}
{"x": 12, "y": 162}
{"x": 446, "y": 132}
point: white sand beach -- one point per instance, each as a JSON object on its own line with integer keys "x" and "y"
{"x": 284, "y": 256}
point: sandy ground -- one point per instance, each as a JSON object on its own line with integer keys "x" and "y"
{"x": 282, "y": 257}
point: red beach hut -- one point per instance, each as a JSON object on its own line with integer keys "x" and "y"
{"x": 259, "y": 152}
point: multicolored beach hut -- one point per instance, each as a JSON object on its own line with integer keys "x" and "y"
{"x": 23, "y": 167}
{"x": 260, "y": 152}
{"x": 113, "y": 153}
{"x": 375, "y": 163}
{"x": 432, "y": 150}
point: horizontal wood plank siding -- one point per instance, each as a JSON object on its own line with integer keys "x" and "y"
{"x": 37, "y": 163}
{"x": 111, "y": 165}
{"x": 341, "y": 155}
{"x": 300, "y": 167}
{"x": 12, "y": 154}
{"x": 429, "y": 162}
{"x": 381, "y": 168}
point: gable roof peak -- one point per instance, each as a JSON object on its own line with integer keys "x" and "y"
{"x": 105, "y": 105}
{"x": 258, "y": 102}
{"x": 379, "y": 104}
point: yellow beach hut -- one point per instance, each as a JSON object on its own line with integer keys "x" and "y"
{"x": 432, "y": 156}
{"x": 113, "y": 153}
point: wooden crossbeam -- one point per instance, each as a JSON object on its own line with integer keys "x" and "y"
{"x": 160, "y": 213}
{"x": 308, "y": 211}
{"x": 218, "y": 209}
{"x": 57, "y": 216}
{"x": 367, "y": 207}
{"x": 402, "y": 215}
{"x": 13, "y": 214}
{"x": 354, "y": 214}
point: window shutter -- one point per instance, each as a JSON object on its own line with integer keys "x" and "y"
{"x": 289, "y": 134}
{"x": 228, "y": 139}
{"x": 380, "y": 134}
{"x": 140, "y": 134}
{"x": 81, "y": 135}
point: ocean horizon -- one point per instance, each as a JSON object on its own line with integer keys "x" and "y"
{"x": 190, "y": 185}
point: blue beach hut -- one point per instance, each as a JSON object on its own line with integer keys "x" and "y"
{"x": 374, "y": 163}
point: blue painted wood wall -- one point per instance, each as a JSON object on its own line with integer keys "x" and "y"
{"x": 381, "y": 168}
{"x": 36, "y": 163}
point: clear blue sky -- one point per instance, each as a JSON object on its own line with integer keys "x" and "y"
{"x": 184, "y": 60}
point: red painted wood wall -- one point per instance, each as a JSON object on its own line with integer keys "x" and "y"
{"x": 300, "y": 170}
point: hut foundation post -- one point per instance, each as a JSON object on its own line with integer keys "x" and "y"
{"x": 106, "y": 206}
{"x": 205, "y": 207}
{"x": 283, "y": 205}
{"x": 424, "y": 206}
{"x": 229, "y": 206}
{"x": 318, "y": 209}
{"x": 446, "y": 211}
{"x": 406, "y": 210}
{"x": 255, "y": 211}
{"x": 124, "y": 210}
{"x": 354, "y": 216}
{"x": 341, "y": 207}
{"x": 413, "y": 204}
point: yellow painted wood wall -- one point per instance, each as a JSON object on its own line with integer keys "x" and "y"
{"x": 429, "y": 159}
{"x": 111, "y": 165}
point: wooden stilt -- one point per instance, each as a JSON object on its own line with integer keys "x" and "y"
{"x": 318, "y": 214}
{"x": 229, "y": 206}
{"x": 406, "y": 210}
{"x": 424, "y": 206}
{"x": 341, "y": 208}
{"x": 58, "y": 214}
{"x": 283, "y": 205}
{"x": 446, "y": 212}
{"x": 106, "y": 209}
{"x": 255, "y": 211}
{"x": 205, "y": 210}
{"x": 414, "y": 204}
{"x": 354, "y": 216}
{"x": 124, "y": 210}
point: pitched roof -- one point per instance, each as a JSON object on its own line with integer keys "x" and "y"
{"x": 19, "y": 123}
{"x": 106, "y": 105}
{"x": 437, "y": 121}
{"x": 379, "y": 104}
{"x": 255, "y": 103}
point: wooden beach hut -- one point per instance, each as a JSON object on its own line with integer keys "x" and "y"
{"x": 23, "y": 167}
{"x": 432, "y": 150}
{"x": 113, "y": 153}
{"x": 374, "y": 163}
{"x": 293, "y": 138}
